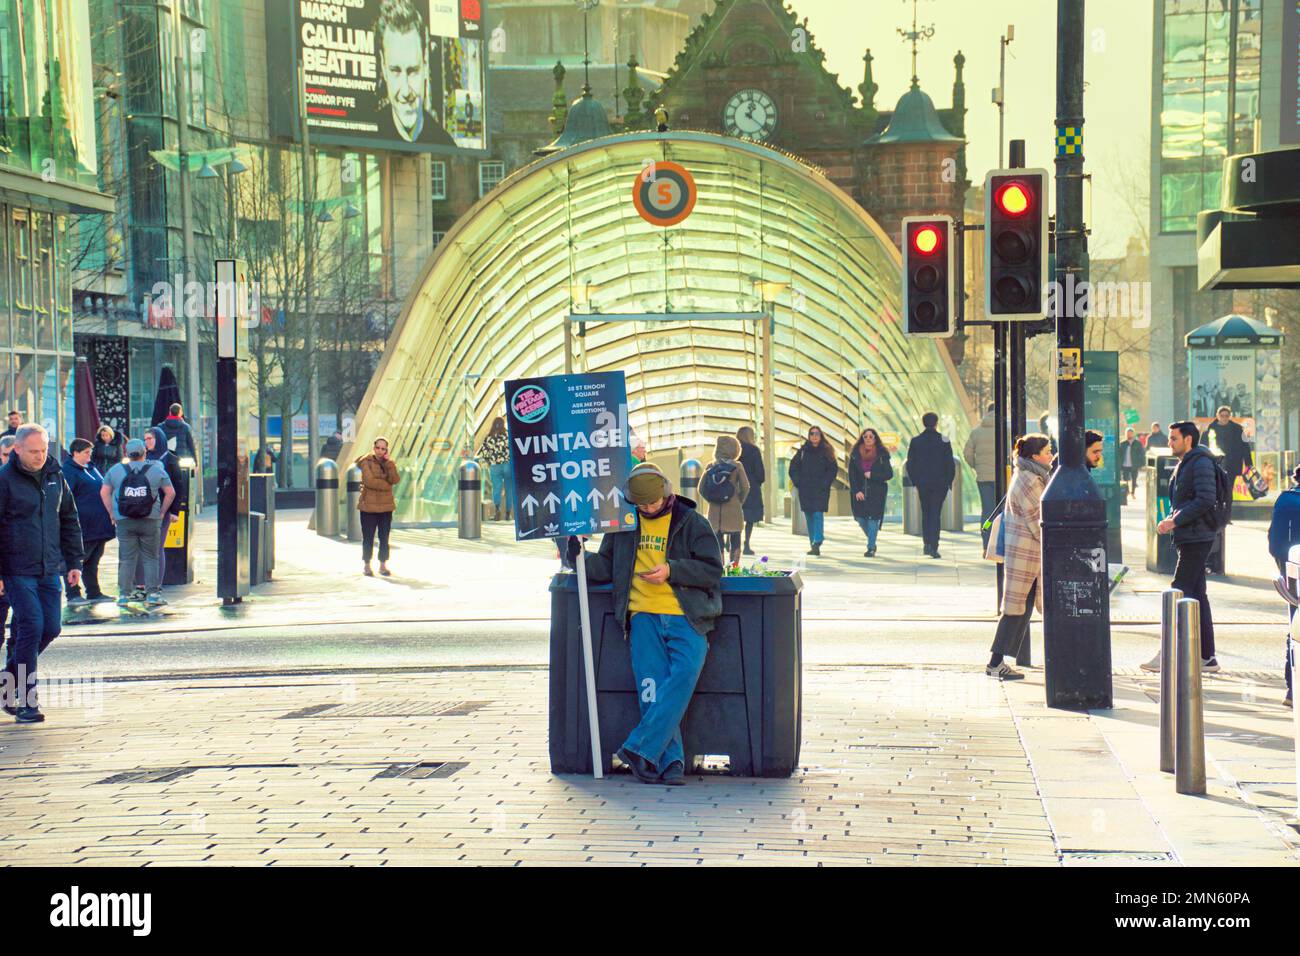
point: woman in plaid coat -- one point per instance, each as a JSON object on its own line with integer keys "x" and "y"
{"x": 1023, "y": 553}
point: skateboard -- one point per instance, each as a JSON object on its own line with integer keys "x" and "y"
{"x": 89, "y": 613}
{"x": 138, "y": 609}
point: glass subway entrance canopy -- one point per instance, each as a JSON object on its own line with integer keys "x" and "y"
{"x": 773, "y": 303}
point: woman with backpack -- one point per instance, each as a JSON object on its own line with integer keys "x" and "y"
{"x": 724, "y": 486}
{"x": 751, "y": 459}
{"x": 812, "y": 472}
{"x": 869, "y": 471}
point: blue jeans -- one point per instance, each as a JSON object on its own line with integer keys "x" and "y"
{"x": 869, "y": 526}
{"x": 816, "y": 526}
{"x": 667, "y": 656}
{"x": 38, "y": 616}
{"x": 501, "y": 493}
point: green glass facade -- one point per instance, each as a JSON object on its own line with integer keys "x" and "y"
{"x": 1209, "y": 100}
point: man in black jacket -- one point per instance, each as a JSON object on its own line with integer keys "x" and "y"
{"x": 667, "y": 580}
{"x": 180, "y": 439}
{"x": 1193, "y": 493}
{"x": 39, "y": 537}
{"x": 1227, "y": 438}
{"x": 931, "y": 468}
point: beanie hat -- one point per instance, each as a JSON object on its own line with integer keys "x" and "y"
{"x": 646, "y": 484}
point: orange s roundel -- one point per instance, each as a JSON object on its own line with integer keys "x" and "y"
{"x": 663, "y": 193}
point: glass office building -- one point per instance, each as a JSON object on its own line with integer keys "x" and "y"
{"x": 774, "y": 303}
{"x": 47, "y": 174}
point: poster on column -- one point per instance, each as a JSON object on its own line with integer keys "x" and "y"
{"x": 569, "y": 454}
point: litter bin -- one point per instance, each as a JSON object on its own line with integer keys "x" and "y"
{"x": 178, "y": 568}
{"x": 261, "y": 497}
{"x": 747, "y": 704}
{"x": 256, "y": 548}
{"x": 911, "y": 506}
{"x": 952, "y": 517}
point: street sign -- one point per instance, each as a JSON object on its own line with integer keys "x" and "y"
{"x": 569, "y": 455}
{"x": 664, "y": 193}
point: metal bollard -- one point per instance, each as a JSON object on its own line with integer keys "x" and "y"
{"x": 1189, "y": 716}
{"x": 911, "y": 508}
{"x": 470, "y": 523}
{"x": 953, "y": 515}
{"x": 327, "y": 498}
{"x": 1168, "y": 633}
{"x": 690, "y": 485}
{"x": 354, "y": 499}
{"x": 798, "y": 522}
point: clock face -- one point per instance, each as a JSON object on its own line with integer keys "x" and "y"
{"x": 750, "y": 113}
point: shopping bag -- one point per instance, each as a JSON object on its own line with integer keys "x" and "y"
{"x": 997, "y": 545}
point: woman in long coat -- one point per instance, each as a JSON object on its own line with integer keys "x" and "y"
{"x": 751, "y": 459}
{"x": 1023, "y": 552}
{"x": 869, "y": 472}
{"x": 812, "y": 471}
{"x": 727, "y": 517}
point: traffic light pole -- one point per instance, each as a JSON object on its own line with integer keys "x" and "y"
{"x": 1076, "y": 599}
{"x": 1015, "y": 343}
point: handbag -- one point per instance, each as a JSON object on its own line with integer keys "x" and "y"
{"x": 997, "y": 546}
{"x": 1255, "y": 484}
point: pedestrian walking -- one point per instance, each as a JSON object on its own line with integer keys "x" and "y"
{"x": 155, "y": 445}
{"x": 869, "y": 469}
{"x": 495, "y": 453}
{"x": 751, "y": 458}
{"x": 725, "y": 486}
{"x": 1227, "y": 439}
{"x": 331, "y": 447}
{"x": 15, "y": 420}
{"x": 110, "y": 448}
{"x": 812, "y": 471}
{"x": 980, "y": 453}
{"x": 177, "y": 435}
{"x": 39, "y": 537}
{"x": 1156, "y": 438}
{"x": 1194, "y": 498}
{"x": 1283, "y": 535}
{"x": 379, "y": 477}
{"x": 931, "y": 468}
{"x": 667, "y": 583}
{"x": 84, "y": 481}
{"x": 1022, "y": 589}
{"x": 137, "y": 493}
{"x": 1131, "y": 458}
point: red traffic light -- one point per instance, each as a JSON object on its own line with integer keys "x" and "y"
{"x": 1014, "y": 198}
{"x": 926, "y": 240}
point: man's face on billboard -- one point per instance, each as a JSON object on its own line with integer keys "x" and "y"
{"x": 406, "y": 74}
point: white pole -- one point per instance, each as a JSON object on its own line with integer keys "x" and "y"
{"x": 589, "y": 660}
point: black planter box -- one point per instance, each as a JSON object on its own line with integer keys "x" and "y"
{"x": 748, "y": 702}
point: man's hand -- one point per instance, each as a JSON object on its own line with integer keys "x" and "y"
{"x": 74, "y": 579}
{"x": 657, "y": 576}
{"x": 860, "y": 496}
{"x": 1165, "y": 526}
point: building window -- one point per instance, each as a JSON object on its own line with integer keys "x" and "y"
{"x": 437, "y": 238}
{"x": 490, "y": 172}
{"x": 439, "y": 180}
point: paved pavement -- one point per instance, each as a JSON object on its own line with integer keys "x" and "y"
{"x": 292, "y": 730}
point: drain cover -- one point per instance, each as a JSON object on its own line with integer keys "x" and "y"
{"x": 1114, "y": 857}
{"x": 424, "y": 770}
{"x": 150, "y": 775}
{"x": 392, "y": 707}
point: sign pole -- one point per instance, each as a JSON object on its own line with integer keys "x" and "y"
{"x": 589, "y": 663}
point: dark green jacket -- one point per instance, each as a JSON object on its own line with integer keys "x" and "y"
{"x": 694, "y": 566}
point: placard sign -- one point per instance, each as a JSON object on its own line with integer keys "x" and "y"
{"x": 569, "y": 454}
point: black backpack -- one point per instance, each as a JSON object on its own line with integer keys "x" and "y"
{"x": 717, "y": 487}
{"x": 1221, "y": 516}
{"x": 135, "y": 495}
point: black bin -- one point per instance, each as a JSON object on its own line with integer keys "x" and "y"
{"x": 256, "y": 548}
{"x": 747, "y": 705}
{"x": 261, "y": 497}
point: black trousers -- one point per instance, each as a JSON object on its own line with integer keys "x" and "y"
{"x": 729, "y": 543}
{"x": 931, "y": 509}
{"x": 1130, "y": 477}
{"x": 372, "y": 521}
{"x": 89, "y": 572}
{"x": 1013, "y": 629}
{"x": 1189, "y": 577}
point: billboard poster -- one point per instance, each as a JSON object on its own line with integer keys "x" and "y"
{"x": 1221, "y": 377}
{"x": 1101, "y": 410}
{"x": 393, "y": 74}
{"x": 569, "y": 454}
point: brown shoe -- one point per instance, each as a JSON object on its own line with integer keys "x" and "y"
{"x": 367, "y": 572}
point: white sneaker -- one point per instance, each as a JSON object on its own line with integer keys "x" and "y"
{"x": 1152, "y": 665}
{"x": 1004, "y": 671}
{"x": 1210, "y": 666}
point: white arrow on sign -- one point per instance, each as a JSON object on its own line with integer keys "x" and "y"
{"x": 574, "y": 499}
{"x": 614, "y": 495}
{"x": 595, "y": 497}
{"x": 551, "y": 502}
{"x": 530, "y": 504}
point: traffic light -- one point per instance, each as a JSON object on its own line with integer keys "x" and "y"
{"x": 928, "y": 276}
{"x": 1015, "y": 244}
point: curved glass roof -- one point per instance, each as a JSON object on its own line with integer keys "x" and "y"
{"x": 768, "y": 236}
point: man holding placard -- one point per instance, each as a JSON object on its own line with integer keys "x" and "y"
{"x": 667, "y": 581}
